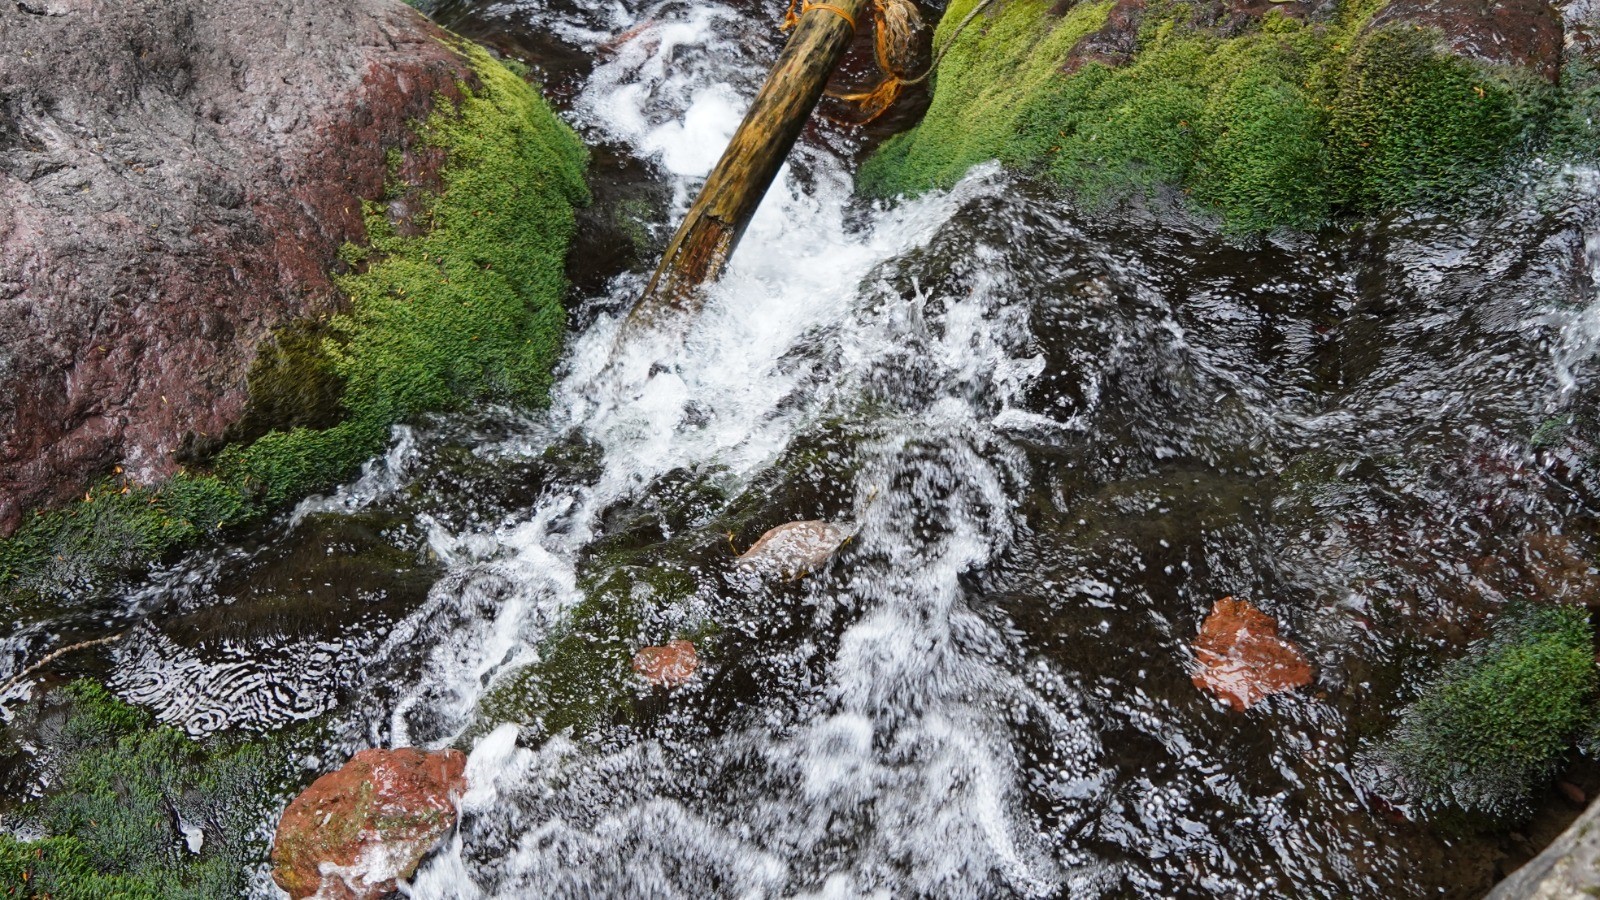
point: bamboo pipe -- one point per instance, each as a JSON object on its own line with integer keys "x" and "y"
{"x": 700, "y": 249}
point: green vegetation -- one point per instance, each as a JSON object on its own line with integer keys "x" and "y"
{"x": 112, "y": 815}
{"x": 113, "y": 528}
{"x": 582, "y": 678}
{"x": 470, "y": 308}
{"x": 467, "y": 308}
{"x": 976, "y": 113}
{"x": 1491, "y": 728}
{"x": 1411, "y": 125}
{"x": 1575, "y": 128}
{"x": 1286, "y": 124}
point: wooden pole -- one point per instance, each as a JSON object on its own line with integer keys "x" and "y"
{"x": 700, "y": 249}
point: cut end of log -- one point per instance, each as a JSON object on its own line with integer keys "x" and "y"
{"x": 696, "y": 257}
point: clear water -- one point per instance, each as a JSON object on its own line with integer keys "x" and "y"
{"x": 1059, "y": 437}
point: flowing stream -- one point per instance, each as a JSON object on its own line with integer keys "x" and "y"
{"x": 1057, "y": 437}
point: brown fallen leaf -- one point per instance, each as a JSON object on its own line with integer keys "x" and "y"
{"x": 667, "y": 666}
{"x": 1242, "y": 659}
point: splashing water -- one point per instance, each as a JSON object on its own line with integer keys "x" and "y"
{"x": 905, "y": 741}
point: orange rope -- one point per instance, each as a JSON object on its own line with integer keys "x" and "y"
{"x": 809, "y": 6}
{"x": 790, "y": 19}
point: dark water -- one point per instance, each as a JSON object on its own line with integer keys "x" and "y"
{"x": 1059, "y": 437}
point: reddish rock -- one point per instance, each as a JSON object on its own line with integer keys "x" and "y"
{"x": 667, "y": 666}
{"x": 1525, "y": 33}
{"x": 1113, "y": 43}
{"x": 1241, "y": 657}
{"x": 353, "y": 833}
{"x": 795, "y": 548}
{"x": 176, "y": 179}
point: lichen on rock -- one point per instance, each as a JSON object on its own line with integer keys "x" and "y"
{"x": 355, "y": 831}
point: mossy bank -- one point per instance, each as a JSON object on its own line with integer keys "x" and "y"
{"x": 1260, "y": 119}
{"x": 141, "y": 811}
{"x": 455, "y": 297}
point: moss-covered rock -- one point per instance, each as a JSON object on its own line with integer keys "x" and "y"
{"x": 583, "y": 677}
{"x": 467, "y": 308}
{"x": 135, "y": 810}
{"x": 650, "y": 578}
{"x": 1491, "y": 728}
{"x": 1267, "y": 122}
{"x": 461, "y": 303}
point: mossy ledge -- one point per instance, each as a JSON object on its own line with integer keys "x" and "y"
{"x": 1273, "y": 122}
{"x": 461, "y": 302}
{"x": 111, "y": 824}
{"x": 1490, "y": 730}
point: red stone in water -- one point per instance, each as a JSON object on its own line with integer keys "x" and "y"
{"x": 667, "y": 666}
{"x": 1241, "y": 657}
{"x": 353, "y": 833}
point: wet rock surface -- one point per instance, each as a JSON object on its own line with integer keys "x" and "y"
{"x": 1523, "y": 33}
{"x": 1113, "y": 43}
{"x": 354, "y": 832}
{"x": 1570, "y": 867}
{"x": 1242, "y": 659}
{"x": 177, "y": 178}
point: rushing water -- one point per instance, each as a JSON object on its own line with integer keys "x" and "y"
{"x": 1058, "y": 438}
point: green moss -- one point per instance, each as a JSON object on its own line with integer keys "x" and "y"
{"x": 1286, "y": 124}
{"x": 113, "y": 530}
{"x": 1576, "y": 125}
{"x": 63, "y": 869}
{"x": 111, "y": 816}
{"x": 1410, "y": 124}
{"x": 1490, "y": 730}
{"x": 977, "y": 111}
{"x": 467, "y": 309}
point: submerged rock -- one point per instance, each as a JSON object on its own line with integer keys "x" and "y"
{"x": 1242, "y": 658}
{"x": 353, "y": 833}
{"x": 795, "y": 548}
{"x": 1568, "y": 868}
{"x": 667, "y": 666}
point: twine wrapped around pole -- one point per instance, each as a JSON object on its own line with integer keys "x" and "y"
{"x": 700, "y": 249}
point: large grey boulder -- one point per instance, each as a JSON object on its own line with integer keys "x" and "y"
{"x": 1566, "y": 870}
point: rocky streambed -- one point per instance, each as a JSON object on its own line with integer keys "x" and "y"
{"x": 1128, "y": 542}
